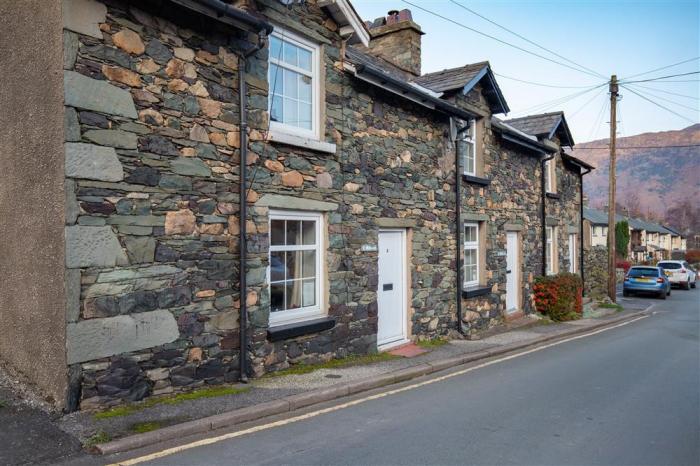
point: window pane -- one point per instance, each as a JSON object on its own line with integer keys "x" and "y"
{"x": 309, "y": 269}
{"x": 305, "y": 115}
{"x": 290, "y": 54}
{"x": 293, "y": 265}
{"x": 276, "y": 81}
{"x": 470, "y": 257}
{"x": 309, "y": 294}
{"x": 277, "y": 297}
{"x": 277, "y": 109}
{"x": 290, "y": 115}
{"x": 308, "y": 232}
{"x": 294, "y": 294}
{"x": 304, "y": 59}
{"x": 305, "y": 88}
{"x": 275, "y": 48}
{"x": 291, "y": 88}
{"x": 277, "y": 232}
{"x": 277, "y": 266}
{"x": 470, "y": 273}
{"x": 293, "y": 236}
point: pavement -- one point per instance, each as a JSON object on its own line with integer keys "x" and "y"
{"x": 628, "y": 394}
{"x": 66, "y": 433}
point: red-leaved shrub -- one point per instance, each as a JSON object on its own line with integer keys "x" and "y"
{"x": 560, "y": 297}
{"x": 621, "y": 264}
{"x": 693, "y": 256}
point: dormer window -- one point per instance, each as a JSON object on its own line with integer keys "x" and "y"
{"x": 293, "y": 77}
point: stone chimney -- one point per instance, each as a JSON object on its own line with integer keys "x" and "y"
{"x": 397, "y": 39}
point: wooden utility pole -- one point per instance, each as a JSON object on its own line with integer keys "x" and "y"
{"x": 612, "y": 278}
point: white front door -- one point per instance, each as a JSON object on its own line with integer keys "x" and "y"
{"x": 391, "y": 292}
{"x": 512, "y": 271}
{"x": 572, "y": 253}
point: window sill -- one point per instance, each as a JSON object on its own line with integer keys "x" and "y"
{"x": 553, "y": 196}
{"x": 300, "y": 141}
{"x": 476, "y": 180}
{"x": 297, "y": 329}
{"x": 474, "y": 291}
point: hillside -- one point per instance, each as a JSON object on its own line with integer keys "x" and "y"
{"x": 653, "y": 180}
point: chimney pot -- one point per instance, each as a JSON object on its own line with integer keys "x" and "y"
{"x": 397, "y": 39}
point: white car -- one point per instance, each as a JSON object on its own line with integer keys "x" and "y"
{"x": 680, "y": 273}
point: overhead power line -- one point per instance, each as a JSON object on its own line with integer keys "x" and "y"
{"x": 658, "y": 104}
{"x": 639, "y": 147}
{"x": 665, "y": 99}
{"x": 660, "y": 77}
{"x": 542, "y": 84}
{"x": 457, "y": 23}
{"x": 525, "y": 38}
{"x": 558, "y": 101}
{"x": 662, "y": 68}
{"x": 668, "y": 92}
{"x": 595, "y": 96}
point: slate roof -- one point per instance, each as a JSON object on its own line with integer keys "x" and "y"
{"x": 599, "y": 217}
{"x": 544, "y": 125}
{"x": 358, "y": 57}
{"x": 451, "y": 79}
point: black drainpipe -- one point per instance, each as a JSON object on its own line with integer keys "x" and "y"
{"x": 458, "y": 221}
{"x": 583, "y": 276}
{"x": 243, "y": 206}
{"x": 544, "y": 215}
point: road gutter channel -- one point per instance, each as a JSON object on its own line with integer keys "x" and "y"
{"x": 302, "y": 400}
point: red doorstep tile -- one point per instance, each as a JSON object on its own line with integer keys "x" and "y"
{"x": 409, "y": 350}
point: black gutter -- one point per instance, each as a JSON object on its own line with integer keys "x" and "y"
{"x": 243, "y": 205}
{"x": 580, "y": 187}
{"x": 438, "y": 103}
{"x": 458, "y": 221}
{"x": 543, "y": 161}
{"x": 225, "y": 9}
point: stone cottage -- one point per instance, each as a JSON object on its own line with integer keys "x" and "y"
{"x": 148, "y": 144}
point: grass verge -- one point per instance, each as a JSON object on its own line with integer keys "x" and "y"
{"x": 433, "y": 343}
{"x": 617, "y": 307}
{"x": 99, "y": 437}
{"x": 143, "y": 427}
{"x": 302, "y": 368}
{"x": 207, "y": 392}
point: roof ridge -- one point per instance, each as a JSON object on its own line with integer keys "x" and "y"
{"x": 557, "y": 112}
{"x": 467, "y": 65}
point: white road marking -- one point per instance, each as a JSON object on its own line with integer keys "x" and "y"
{"x": 282, "y": 422}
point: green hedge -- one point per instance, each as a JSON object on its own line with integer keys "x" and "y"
{"x": 560, "y": 297}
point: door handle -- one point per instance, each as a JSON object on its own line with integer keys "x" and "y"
{"x": 387, "y": 287}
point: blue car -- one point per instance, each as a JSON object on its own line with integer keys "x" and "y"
{"x": 647, "y": 279}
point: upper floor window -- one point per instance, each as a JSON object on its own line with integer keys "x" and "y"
{"x": 469, "y": 156}
{"x": 550, "y": 176}
{"x": 293, "y": 77}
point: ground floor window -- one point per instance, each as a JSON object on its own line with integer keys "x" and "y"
{"x": 471, "y": 254}
{"x": 572, "y": 253}
{"x": 551, "y": 250}
{"x": 295, "y": 266}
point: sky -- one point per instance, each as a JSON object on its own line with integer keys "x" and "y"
{"x": 607, "y": 36}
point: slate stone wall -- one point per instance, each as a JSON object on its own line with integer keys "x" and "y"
{"x": 566, "y": 211}
{"x": 153, "y": 225}
{"x": 596, "y": 263}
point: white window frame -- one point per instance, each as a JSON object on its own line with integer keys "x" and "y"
{"x": 280, "y": 129}
{"x": 309, "y": 312}
{"x": 573, "y": 256}
{"x": 470, "y": 142}
{"x": 551, "y": 241}
{"x": 471, "y": 245}
{"x": 550, "y": 176}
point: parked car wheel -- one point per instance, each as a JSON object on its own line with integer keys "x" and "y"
{"x": 686, "y": 285}
{"x": 692, "y": 285}
{"x": 669, "y": 291}
{"x": 625, "y": 293}
{"x": 662, "y": 295}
